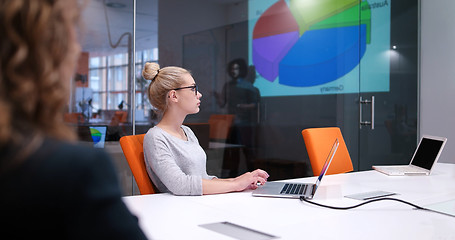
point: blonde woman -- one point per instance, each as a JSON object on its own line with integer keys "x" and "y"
{"x": 175, "y": 161}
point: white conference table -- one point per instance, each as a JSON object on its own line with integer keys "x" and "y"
{"x": 164, "y": 216}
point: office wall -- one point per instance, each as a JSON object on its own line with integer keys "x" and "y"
{"x": 188, "y": 18}
{"x": 437, "y": 87}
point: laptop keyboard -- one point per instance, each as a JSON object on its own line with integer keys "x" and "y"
{"x": 294, "y": 188}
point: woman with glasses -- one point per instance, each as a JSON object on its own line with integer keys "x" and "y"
{"x": 175, "y": 161}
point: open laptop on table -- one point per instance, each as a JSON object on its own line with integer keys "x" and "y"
{"x": 423, "y": 160}
{"x": 296, "y": 190}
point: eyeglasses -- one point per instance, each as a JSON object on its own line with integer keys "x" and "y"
{"x": 193, "y": 88}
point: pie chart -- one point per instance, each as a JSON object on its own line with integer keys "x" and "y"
{"x": 309, "y": 43}
{"x": 96, "y": 135}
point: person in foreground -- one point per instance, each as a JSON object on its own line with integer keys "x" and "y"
{"x": 51, "y": 188}
{"x": 175, "y": 161}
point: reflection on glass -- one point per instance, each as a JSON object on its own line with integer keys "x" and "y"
{"x": 310, "y": 72}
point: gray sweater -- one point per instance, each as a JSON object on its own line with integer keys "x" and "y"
{"x": 175, "y": 165}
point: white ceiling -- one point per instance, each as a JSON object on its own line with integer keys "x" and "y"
{"x": 100, "y": 20}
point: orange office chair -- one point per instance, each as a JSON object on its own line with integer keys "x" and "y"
{"x": 318, "y": 142}
{"x": 74, "y": 118}
{"x": 119, "y": 117}
{"x": 220, "y": 126}
{"x": 134, "y": 153}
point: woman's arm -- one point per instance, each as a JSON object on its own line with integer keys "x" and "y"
{"x": 247, "y": 180}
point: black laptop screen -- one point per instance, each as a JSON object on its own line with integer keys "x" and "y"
{"x": 427, "y": 152}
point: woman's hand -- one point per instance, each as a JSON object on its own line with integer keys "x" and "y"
{"x": 250, "y": 180}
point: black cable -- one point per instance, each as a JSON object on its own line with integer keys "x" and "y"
{"x": 358, "y": 205}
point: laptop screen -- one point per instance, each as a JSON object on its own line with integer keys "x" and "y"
{"x": 328, "y": 161}
{"x": 427, "y": 152}
{"x": 98, "y": 134}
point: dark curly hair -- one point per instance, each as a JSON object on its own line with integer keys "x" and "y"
{"x": 243, "y": 68}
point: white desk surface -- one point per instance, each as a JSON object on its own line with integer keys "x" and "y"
{"x": 164, "y": 216}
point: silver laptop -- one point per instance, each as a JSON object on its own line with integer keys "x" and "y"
{"x": 296, "y": 190}
{"x": 423, "y": 160}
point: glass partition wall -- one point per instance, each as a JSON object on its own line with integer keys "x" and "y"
{"x": 103, "y": 101}
{"x": 266, "y": 70}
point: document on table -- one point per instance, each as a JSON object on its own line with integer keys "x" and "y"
{"x": 237, "y": 231}
{"x": 447, "y": 207}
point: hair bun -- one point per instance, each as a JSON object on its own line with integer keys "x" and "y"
{"x": 151, "y": 70}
